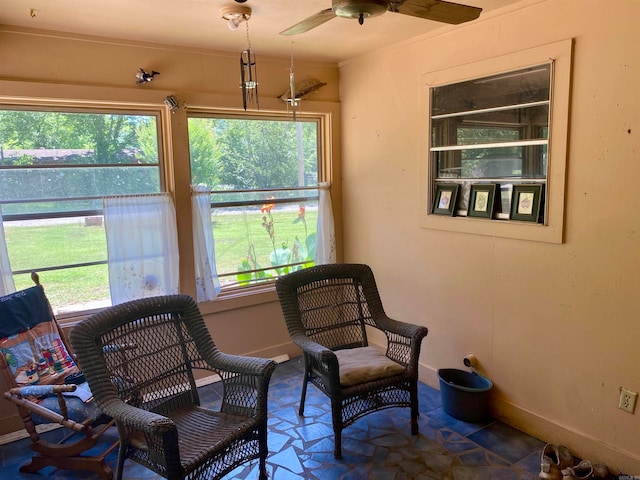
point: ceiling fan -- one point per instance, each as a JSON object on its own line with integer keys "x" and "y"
{"x": 437, "y": 10}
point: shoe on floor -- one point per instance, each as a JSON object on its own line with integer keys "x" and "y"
{"x": 584, "y": 470}
{"x": 601, "y": 471}
{"x": 554, "y": 458}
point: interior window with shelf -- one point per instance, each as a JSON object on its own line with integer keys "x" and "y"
{"x": 492, "y": 130}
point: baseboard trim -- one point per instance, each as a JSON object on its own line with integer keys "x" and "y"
{"x": 581, "y": 445}
{"x": 428, "y": 375}
{"x": 20, "y": 434}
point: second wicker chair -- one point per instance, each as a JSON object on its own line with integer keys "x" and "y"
{"x": 327, "y": 309}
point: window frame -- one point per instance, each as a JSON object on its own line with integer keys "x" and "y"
{"x": 86, "y": 107}
{"x": 560, "y": 53}
{"x": 235, "y": 292}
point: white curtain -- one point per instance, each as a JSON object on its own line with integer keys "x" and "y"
{"x": 6, "y": 279}
{"x": 326, "y": 246}
{"x": 142, "y": 246}
{"x": 207, "y": 283}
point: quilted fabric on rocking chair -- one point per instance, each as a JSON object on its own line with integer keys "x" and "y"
{"x": 35, "y": 361}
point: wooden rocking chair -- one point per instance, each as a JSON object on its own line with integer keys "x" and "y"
{"x": 36, "y": 360}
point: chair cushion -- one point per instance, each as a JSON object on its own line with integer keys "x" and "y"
{"x": 365, "y": 364}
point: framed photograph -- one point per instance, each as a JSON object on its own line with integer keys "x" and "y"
{"x": 525, "y": 203}
{"x": 482, "y": 198}
{"x": 444, "y": 201}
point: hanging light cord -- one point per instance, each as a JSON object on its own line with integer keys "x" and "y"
{"x": 292, "y": 84}
{"x": 291, "y": 54}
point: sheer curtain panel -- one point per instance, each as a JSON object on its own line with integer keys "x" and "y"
{"x": 326, "y": 248}
{"x": 207, "y": 283}
{"x": 142, "y": 246}
{"x": 6, "y": 279}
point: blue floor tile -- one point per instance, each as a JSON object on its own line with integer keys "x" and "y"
{"x": 378, "y": 446}
{"x": 506, "y": 442}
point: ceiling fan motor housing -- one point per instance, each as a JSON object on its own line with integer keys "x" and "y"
{"x": 359, "y": 8}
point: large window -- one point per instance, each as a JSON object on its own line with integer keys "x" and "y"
{"x": 492, "y": 131}
{"x": 55, "y": 168}
{"x": 263, "y": 173}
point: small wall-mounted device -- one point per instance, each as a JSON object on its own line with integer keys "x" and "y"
{"x": 470, "y": 361}
{"x": 145, "y": 77}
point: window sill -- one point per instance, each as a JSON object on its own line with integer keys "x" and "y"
{"x": 242, "y": 298}
{"x": 496, "y": 228}
{"x": 246, "y": 297}
{"x": 70, "y": 319}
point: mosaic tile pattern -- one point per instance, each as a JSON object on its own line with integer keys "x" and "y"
{"x": 379, "y": 446}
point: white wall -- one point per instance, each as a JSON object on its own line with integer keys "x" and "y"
{"x": 555, "y": 326}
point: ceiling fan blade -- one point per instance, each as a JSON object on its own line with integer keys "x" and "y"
{"x": 311, "y": 22}
{"x": 439, "y": 10}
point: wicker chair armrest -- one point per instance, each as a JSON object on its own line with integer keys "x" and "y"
{"x": 242, "y": 365}
{"x": 315, "y": 349}
{"x": 242, "y": 375}
{"x": 322, "y": 357}
{"x": 408, "y": 330}
{"x": 135, "y": 418}
{"x": 403, "y": 340}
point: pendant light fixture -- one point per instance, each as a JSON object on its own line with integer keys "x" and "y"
{"x": 235, "y": 15}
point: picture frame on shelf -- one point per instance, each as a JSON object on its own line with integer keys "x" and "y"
{"x": 525, "y": 203}
{"x": 482, "y": 198}
{"x": 445, "y": 198}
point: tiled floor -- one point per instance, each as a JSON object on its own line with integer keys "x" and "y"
{"x": 378, "y": 446}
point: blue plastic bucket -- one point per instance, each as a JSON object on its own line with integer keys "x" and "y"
{"x": 464, "y": 394}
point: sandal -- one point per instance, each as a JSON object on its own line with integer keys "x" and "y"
{"x": 554, "y": 458}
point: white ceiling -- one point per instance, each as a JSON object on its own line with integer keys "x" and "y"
{"x": 198, "y": 23}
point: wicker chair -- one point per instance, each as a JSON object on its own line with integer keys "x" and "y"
{"x": 30, "y": 333}
{"x": 156, "y": 404}
{"x": 326, "y": 309}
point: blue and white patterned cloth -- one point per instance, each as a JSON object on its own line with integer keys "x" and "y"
{"x": 79, "y": 410}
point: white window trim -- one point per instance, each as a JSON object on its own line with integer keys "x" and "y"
{"x": 552, "y": 231}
